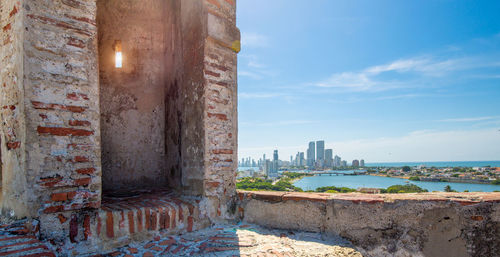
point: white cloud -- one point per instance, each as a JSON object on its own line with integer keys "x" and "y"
{"x": 254, "y": 40}
{"x": 426, "y": 146}
{"x": 419, "y": 71}
{"x": 471, "y": 119}
{"x": 250, "y": 74}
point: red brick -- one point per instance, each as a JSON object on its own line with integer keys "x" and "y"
{"x": 79, "y": 123}
{"x": 222, "y": 151}
{"x": 130, "y": 216}
{"x": 148, "y": 218}
{"x": 190, "y": 224}
{"x": 43, "y": 116}
{"x": 53, "y": 209}
{"x": 59, "y": 197}
{"x": 73, "y": 228}
{"x": 80, "y": 159}
{"x": 86, "y": 171}
{"x": 13, "y": 12}
{"x": 72, "y": 96}
{"x": 13, "y": 145}
{"x": 82, "y": 181}
{"x": 219, "y": 116}
{"x": 167, "y": 242}
{"x": 149, "y": 245}
{"x": 133, "y": 250}
{"x": 213, "y": 74}
{"x": 62, "y": 218}
{"x": 109, "y": 225}
{"x": 61, "y": 131}
{"x": 86, "y": 227}
{"x": 157, "y": 248}
{"x": 99, "y": 224}
{"x": 76, "y": 43}
{"x": 212, "y": 184}
{"x": 6, "y": 27}
{"x": 64, "y": 25}
{"x": 52, "y": 106}
{"x": 148, "y": 254}
{"x": 477, "y": 218}
{"x": 14, "y": 252}
{"x": 154, "y": 219}
{"x": 139, "y": 220}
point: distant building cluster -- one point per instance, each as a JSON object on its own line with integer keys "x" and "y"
{"x": 316, "y": 157}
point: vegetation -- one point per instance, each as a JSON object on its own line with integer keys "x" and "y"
{"x": 397, "y": 189}
{"x": 406, "y": 168}
{"x": 254, "y": 184}
{"x": 294, "y": 175}
{"x": 415, "y": 178}
{"x": 448, "y": 188}
{"x": 333, "y": 189}
{"x": 496, "y": 182}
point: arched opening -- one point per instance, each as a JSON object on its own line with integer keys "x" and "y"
{"x": 132, "y": 97}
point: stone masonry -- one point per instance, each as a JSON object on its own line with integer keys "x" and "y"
{"x": 74, "y": 129}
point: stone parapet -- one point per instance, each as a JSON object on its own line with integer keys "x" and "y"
{"x": 424, "y": 224}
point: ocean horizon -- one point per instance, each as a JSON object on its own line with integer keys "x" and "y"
{"x": 436, "y": 164}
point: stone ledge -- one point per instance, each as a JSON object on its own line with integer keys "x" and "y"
{"x": 461, "y": 198}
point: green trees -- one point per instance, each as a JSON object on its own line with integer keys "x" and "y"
{"x": 415, "y": 178}
{"x": 496, "y": 182}
{"x": 329, "y": 189}
{"x": 447, "y": 188}
{"x": 406, "y": 168}
{"x": 396, "y": 189}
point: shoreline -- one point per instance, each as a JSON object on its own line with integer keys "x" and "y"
{"x": 408, "y": 178}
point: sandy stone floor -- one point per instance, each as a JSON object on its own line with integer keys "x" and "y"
{"x": 223, "y": 240}
{"x": 241, "y": 240}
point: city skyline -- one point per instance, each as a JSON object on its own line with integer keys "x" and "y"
{"x": 318, "y": 156}
{"x": 413, "y": 90}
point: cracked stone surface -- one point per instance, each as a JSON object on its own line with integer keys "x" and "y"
{"x": 241, "y": 240}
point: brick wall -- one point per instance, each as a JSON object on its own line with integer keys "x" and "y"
{"x": 220, "y": 77}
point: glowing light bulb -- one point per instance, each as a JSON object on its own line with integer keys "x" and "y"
{"x": 118, "y": 59}
{"x": 117, "y": 46}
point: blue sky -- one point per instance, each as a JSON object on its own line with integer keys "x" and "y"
{"x": 379, "y": 80}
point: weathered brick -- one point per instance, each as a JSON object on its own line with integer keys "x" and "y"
{"x": 109, "y": 225}
{"x": 59, "y": 131}
{"x": 52, "y": 106}
{"x": 86, "y": 171}
{"x": 73, "y": 228}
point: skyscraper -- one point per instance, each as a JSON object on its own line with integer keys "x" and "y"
{"x": 301, "y": 160}
{"x": 355, "y": 163}
{"x": 320, "y": 153}
{"x": 336, "y": 161}
{"x": 275, "y": 163}
{"x": 311, "y": 154}
{"x": 328, "y": 158}
{"x": 362, "y": 163}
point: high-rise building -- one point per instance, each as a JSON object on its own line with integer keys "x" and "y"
{"x": 355, "y": 163}
{"x": 301, "y": 159}
{"x": 320, "y": 153}
{"x": 336, "y": 161}
{"x": 362, "y": 163}
{"x": 311, "y": 154}
{"x": 328, "y": 158}
{"x": 343, "y": 163}
{"x": 275, "y": 163}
